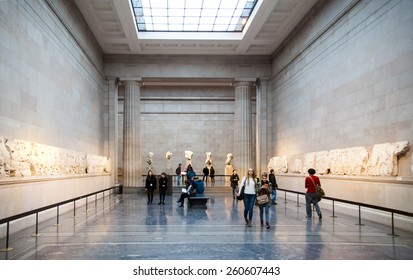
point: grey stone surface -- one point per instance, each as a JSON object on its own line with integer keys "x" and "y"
{"x": 124, "y": 227}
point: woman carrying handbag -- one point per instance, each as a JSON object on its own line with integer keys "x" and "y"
{"x": 264, "y": 200}
{"x": 248, "y": 185}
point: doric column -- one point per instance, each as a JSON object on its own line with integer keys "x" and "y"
{"x": 261, "y": 131}
{"x": 243, "y": 138}
{"x": 113, "y": 129}
{"x": 131, "y": 136}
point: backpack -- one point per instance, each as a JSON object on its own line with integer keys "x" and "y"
{"x": 177, "y": 171}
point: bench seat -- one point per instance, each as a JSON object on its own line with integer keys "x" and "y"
{"x": 198, "y": 200}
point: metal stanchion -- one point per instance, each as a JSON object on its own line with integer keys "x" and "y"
{"x": 360, "y": 224}
{"x": 7, "y": 248}
{"x": 57, "y": 218}
{"x": 36, "y": 234}
{"x": 333, "y": 216}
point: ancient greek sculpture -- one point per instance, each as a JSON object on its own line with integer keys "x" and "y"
{"x": 5, "y": 158}
{"x": 149, "y": 160}
{"x": 229, "y": 158}
{"x": 168, "y": 155}
{"x": 228, "y": 167}
{"x": 208, "y": 160}
{"x": 188, "y": 157}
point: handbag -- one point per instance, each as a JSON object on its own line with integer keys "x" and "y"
{"x": 262, "y": 199}
{"x": 318, "y": 190}
{"x": 241, "y": 196}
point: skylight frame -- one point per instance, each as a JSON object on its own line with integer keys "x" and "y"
{"x": 207, "y": 18}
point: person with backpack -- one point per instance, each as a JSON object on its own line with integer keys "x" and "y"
{"x": 178, "y": 172}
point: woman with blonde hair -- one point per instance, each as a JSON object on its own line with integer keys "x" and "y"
{"x": 248, "y": 184}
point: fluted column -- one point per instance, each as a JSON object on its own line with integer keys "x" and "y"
{"x": 243, "y": 137}
{"x": 132, "y": 146}
{"x": 261, "y": 131}
{"x": 113, "y": 130}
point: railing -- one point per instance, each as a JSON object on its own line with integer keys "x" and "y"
{"x": 220, "y": 180}
{"x": 359, "y": 204}
{"x": 55, "y": 205}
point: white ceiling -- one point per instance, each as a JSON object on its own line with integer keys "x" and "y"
{"x": 114, "y": 27}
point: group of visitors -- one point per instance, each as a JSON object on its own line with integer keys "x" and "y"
{"x": 251, "y": 189}
{"x": 208, "y": 172}
{"x": 150, "y": 186}
{"x": 193, "y": 185}
{"x": 263, "y": 192}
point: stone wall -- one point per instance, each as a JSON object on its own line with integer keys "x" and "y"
{"x": 51, "y": 97}
{"x": 51, "y": 80}
{"x": 341, "y": 86}
{"x": 177, "y": 119}
{"x": 343, "y": 79}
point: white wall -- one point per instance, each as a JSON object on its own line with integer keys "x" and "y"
{"x": 344, "y": 80}
{"x": 51, "y": 79}
{"x": 51, "y": 93}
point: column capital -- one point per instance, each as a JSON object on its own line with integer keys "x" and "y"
{"x": 131, "y": 81}
{"x": 239, "y": 82}
{"x": 112, "y": 78}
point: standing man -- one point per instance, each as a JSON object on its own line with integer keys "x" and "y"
{"x": 274, "y": 187}
{"x": 206, "y": 174}
{"x": 178, "y": 172}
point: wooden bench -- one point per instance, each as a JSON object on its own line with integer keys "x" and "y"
{"x": 198, "y": 200}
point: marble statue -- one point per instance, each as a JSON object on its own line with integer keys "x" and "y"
{"x": 229, "y": 159}
{"x": 208, "y": 160}
{"x": 188, "y": 157}
{"x": 168, "y": 155}
{"x": 149, "y": 160}
{"x": 228, "y": 167}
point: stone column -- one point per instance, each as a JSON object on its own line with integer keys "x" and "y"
{"x": 113, "y": 129}
{"x": 131, "y": 136}
{"x": 243, "y": 138}
{"x": 262, "y": 126}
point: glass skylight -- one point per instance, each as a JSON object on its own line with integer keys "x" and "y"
{"x": 192, "y": 15}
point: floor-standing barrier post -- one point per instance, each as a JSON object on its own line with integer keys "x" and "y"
{"x": 37, "y": 226}
{"x": 57, "y": 217}
{"x": 392, "y": 225}
{"x": 360, "y": 224}
{"x": 333, "y": 216}
{"x": 7, "y": 248}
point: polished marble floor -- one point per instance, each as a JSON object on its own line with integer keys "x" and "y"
{"x": 125, "y": 227}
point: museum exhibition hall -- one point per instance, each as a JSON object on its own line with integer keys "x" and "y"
{"x": 94, "y": 94}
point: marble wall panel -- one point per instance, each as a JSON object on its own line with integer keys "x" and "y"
{"x": 384, "y": 158}
{"x": 355, "y": 161}
{"x": 279, "y": 164}
{"x": 20, "y": 158}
